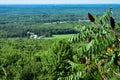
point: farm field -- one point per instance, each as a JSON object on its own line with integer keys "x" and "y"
{"x": 60, "y": 42}
{"x": 62, "y": 36}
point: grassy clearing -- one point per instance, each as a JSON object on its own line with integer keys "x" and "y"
{"x": 63, "y": 36}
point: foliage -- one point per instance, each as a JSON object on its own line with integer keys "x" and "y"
{"x": 101, "y": 49}
{"x": 93, "y": 54}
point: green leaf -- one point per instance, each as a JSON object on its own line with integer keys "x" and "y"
{"x": 89, "y": 45}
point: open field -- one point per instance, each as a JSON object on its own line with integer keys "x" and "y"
{"x": 62, "y": 36}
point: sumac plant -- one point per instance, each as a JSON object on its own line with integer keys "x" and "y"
{"x": 99, "y": 57}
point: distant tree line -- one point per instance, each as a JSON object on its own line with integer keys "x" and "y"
{"x": 42, "y": 31}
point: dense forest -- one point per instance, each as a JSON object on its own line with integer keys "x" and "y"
{"x": 17, "y": 20}
{"x": 91, "y": 53}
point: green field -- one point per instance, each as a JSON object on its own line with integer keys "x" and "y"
{"x": 62, "y": 36}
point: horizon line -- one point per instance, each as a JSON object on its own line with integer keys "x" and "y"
{"x": 54, "y": 4}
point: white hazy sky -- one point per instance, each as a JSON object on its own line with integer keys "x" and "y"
{"x": 59, "y": 1}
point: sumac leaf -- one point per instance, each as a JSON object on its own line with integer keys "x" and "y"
{"x": 91, "y": 18}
